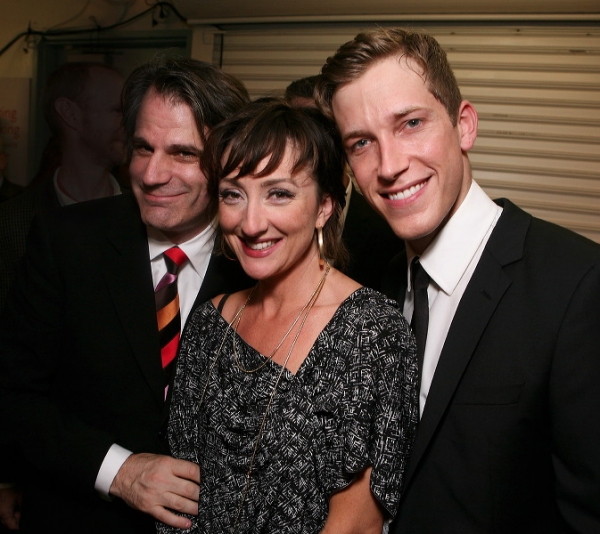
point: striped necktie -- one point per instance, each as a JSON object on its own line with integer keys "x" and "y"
{"x": 167, "y": 311}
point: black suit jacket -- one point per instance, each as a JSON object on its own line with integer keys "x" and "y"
{"x": 9, "y": 190}
{"x": 370, "y": 243}
{"x": 80, "y": 361}
{"x": 16, "y": 217}
{"x": 509, "y": 441}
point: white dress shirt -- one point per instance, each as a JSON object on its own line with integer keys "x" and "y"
{"x": 189, "y": 279}
{"x": 66, "y": 200}
{"x": 190, "y": 276}
{"x": 450, "y": 261}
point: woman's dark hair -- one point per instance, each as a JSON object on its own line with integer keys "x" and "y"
{"x": 264, "y": 129}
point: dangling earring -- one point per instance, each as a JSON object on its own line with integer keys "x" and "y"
{"x": 224, "y": 248}
{"x": 321, "y": 245}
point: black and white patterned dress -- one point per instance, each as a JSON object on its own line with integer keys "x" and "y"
{"x": 352, "y": 404}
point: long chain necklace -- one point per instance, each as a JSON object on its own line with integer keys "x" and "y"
{"x": 304, "y": 312}
{"x": 238, "y": 317}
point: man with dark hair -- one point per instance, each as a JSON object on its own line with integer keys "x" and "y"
{"x": 84, "y": 371}
{"x": 301, "y": 92}
{"x": 370, "y": 242}
{"x": 505, "y": 307}
{"x": 82, "y": 105}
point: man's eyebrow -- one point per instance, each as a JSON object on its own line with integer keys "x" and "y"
{"x": 354, "y": 134}
{"x": 398, "y": 115}
{"x": 185, "y": 148}
{"x": 138, "y": 141}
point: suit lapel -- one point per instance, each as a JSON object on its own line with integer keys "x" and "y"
{"x": 222, "y": 276}
{"x": 477, "y": 305}
{"x": 129, "y": 280}
{"x": 212, "y": 283}
{"x": 481, "y": 298}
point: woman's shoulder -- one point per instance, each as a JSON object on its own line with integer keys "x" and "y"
{"x": 371, "y": 316}
{"x": 367, "y": 301}
{"x": 226, "y": 304}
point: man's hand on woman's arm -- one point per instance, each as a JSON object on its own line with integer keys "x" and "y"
{"x": 157, "y": 484}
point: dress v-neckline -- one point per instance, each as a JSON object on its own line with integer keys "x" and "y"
{"x": 310, "y": 352}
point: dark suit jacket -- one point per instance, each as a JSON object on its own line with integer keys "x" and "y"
{"x": 9, "y": 190}
{"x": 80, "y": 362}
{"x": 16, "y": 217}
{"x": 509, "y": 441}
{"x": 370, "y": 242}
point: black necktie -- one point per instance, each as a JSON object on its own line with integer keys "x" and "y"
{"x": 420, "y": 318}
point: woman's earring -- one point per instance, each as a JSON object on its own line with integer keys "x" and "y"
{"x": 321, "y": 245}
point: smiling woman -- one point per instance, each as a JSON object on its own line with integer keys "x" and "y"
{"x": 269, "y": 221}
{"x": 297, "y": 398}
{"x": 268, "y": 136}
{"x": 278, "y": 184}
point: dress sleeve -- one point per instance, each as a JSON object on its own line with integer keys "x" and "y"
{"x": 378, "y": 409}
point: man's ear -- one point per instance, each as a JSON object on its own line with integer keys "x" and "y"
{"x": 69, "y": 112}
{"x": 467, "y": 125}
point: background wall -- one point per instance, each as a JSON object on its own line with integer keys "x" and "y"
{"x": 531, "y": 68}
{"x": 536, "y": 88}
{"x": 121, "y": 33}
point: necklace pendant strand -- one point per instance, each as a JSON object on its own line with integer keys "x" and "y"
{"x": 304, "y": 313}
{"x": 238, "y": 318}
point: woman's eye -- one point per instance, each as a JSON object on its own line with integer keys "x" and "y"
{"x": 281, "y": 194}
{"x": 229, "y": 196}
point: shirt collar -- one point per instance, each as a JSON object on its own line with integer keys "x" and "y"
{"x": 448, "y": 256}
{"x": 196, "y": 249}
{"x": 66, "y": 200}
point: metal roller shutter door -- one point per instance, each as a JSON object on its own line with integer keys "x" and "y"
{"x": 536, "y": 88}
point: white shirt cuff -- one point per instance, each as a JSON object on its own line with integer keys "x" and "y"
{"x": 114, "y": 459}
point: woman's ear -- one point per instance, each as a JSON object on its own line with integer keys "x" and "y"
{"x": 325, "y": 210}
{"x": 467, "y": 125}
